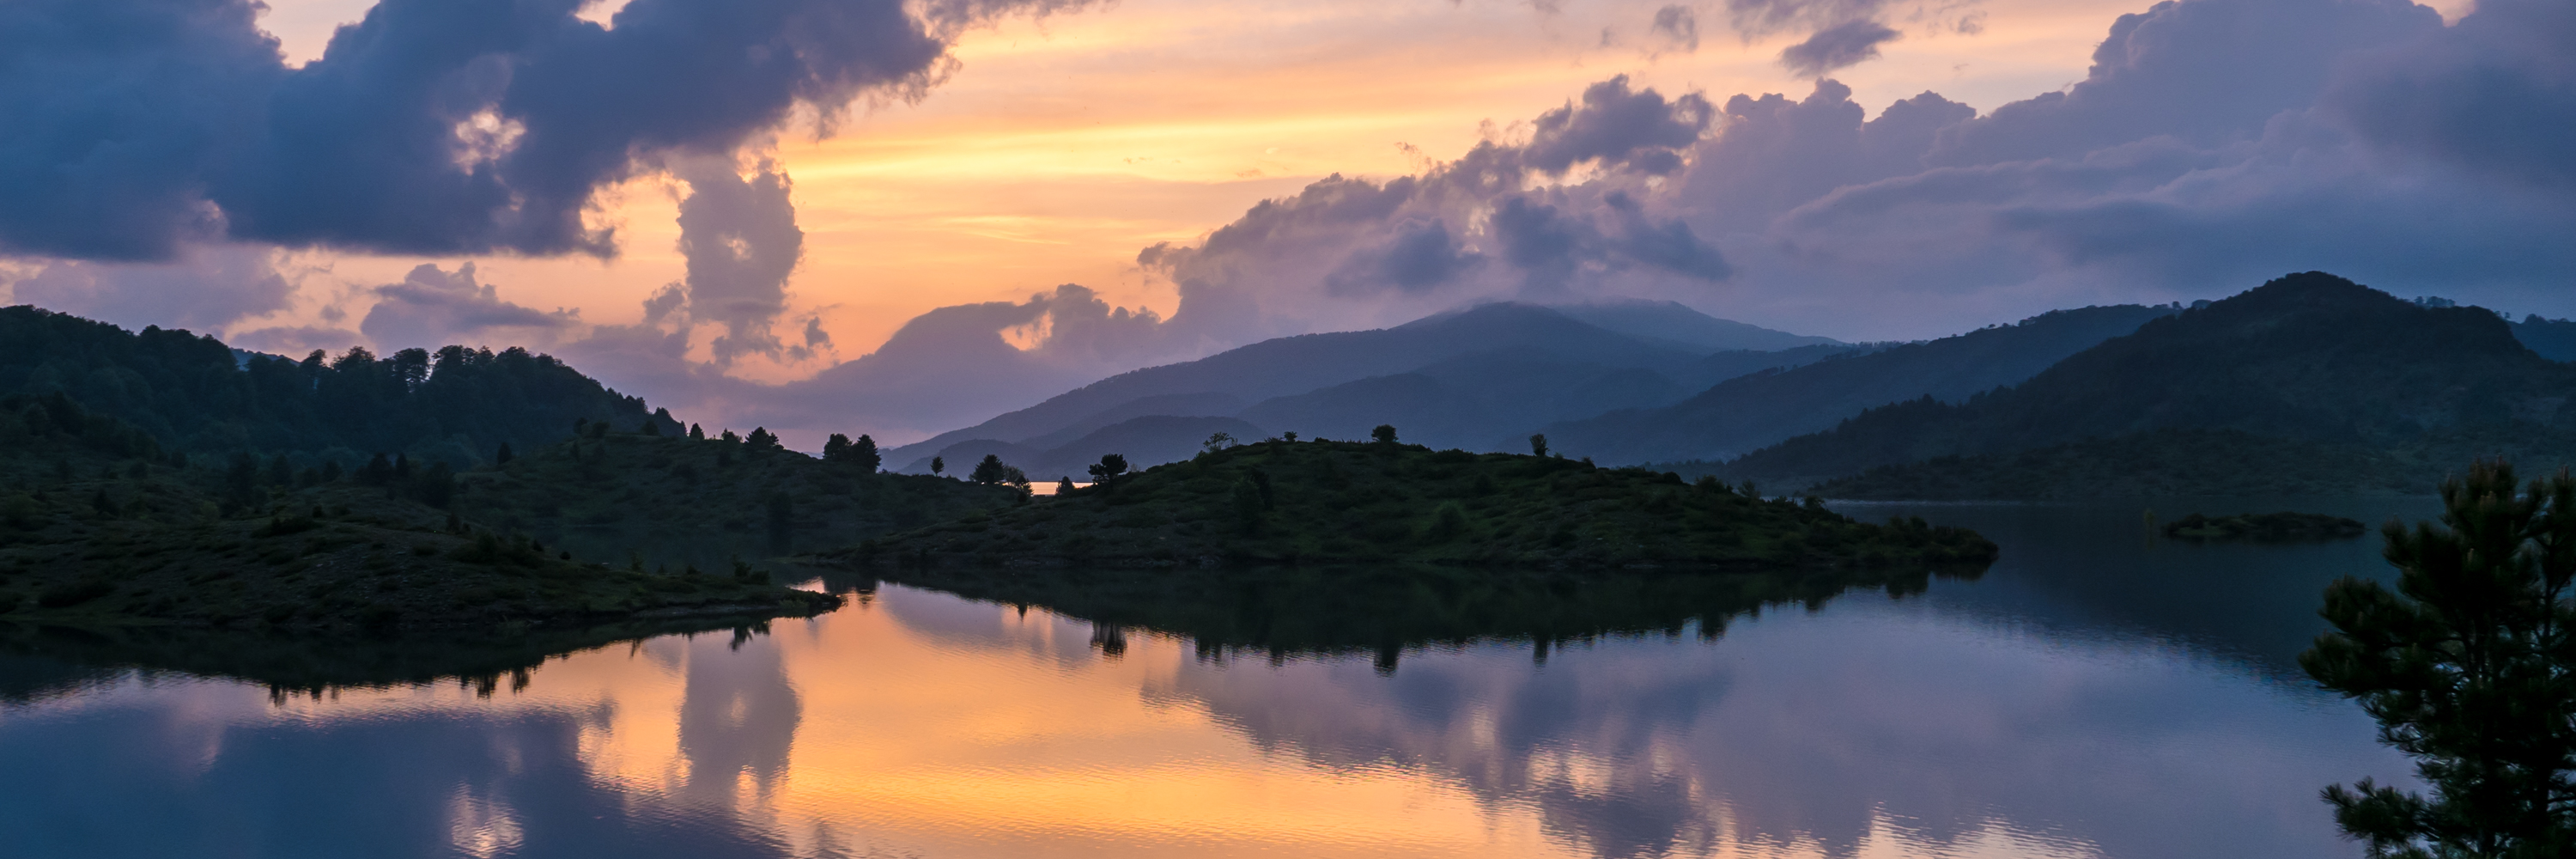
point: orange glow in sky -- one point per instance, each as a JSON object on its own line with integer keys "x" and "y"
{"x": 1061, "y": 146}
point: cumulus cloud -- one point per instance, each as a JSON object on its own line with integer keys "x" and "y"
{"x": 740, "y": 238}
{"x": 2205, "y": 72}
{"x": 206, "y": 288}
{"x": 430, "y": 127}
{"x": 1559, "y": 214}
{"x": 433, "y": 307}
{"x": 1839, "y": 46}
{"x": 2212, "y": 143}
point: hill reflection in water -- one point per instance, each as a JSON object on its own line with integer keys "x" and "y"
{"x": 2002, "y": 717}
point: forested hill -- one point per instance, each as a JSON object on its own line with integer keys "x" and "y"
{"x": 1748, "y": 412}
{"x": 191, "y": 393}
{"x": 2309, "y": 358}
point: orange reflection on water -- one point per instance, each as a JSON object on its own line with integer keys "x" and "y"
{"x": 912, "y": 723}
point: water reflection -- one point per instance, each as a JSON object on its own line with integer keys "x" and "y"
{"x": 2049, "y": 709}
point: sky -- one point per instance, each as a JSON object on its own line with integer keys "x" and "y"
{"x": 857, "y": 213}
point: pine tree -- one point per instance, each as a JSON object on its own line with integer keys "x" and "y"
{"x": 1108, "y": 468}
{"x": 2467, "y": 669}
{"x": 938, "y": 465}
{"x": 863, "y": 453}
{"x": 761, "y": 439}
{"x": 697, "y": 433}
{"x": 989, "y": 472}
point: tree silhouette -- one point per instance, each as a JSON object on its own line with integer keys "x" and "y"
{"x": 1384, "y": 434}
{"x": 761, "y": 440}
{"x": 2467, "y": 668}
{"x": 938, "y": 464}
{"x": 1538, "y": 444}
{"x": 990, "y": 471}
{"x": 861, "y": 453}
{"x": 1064, "y": 485}
{"x": 1218, "y": 441}
{"x": 1108, "y": 468}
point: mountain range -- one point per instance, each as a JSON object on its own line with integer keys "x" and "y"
{"x": 2233, "y": 395}
{"x": 2331, "y": 385}
{"x": 1482, "y": 377}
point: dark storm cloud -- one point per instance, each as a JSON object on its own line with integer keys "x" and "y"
{"x": 2495, "y": 94}
{"x": 1838, "y": 46}
{"x": 116, "y": 113}
{"x": 431, "y": 126}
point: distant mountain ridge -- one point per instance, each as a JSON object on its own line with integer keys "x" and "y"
{"x": 2310, "y": 358}
{"x": 1758, "y": 409}
{"x": 1472, "y": 377}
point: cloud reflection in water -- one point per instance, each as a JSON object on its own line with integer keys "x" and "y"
{"x": 919, "y": 724}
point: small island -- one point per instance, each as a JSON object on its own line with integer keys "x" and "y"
{"x": 1288, "y": 502}
{"x": 2264, "y": 527}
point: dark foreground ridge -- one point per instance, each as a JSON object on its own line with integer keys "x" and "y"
{"x": 100, "y": 528}
{"x": 2279, "y": 527}
{"x": 1325, "y": 502}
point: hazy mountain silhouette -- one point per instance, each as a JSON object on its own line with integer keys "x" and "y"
{"x": 1749, "y": 411}
{"x": 1675, "y": 323}
{"x": 2554, "y": 339}
{"x": 1475, "y": 376}
{"x": 2311, "y": 358}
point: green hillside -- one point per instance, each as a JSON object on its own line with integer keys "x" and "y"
{"x": 1318, "y": 502}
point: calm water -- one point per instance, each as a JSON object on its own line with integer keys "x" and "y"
{"x": 2096, "y": 694}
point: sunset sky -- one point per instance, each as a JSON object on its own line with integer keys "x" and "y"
{"x": 971, "y": 154}
{"x": 1063, "y": 144}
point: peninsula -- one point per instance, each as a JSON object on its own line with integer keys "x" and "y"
{"x": 1380, "y": 502}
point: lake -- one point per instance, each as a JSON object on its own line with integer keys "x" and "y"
{"x": 2097, "y": 693}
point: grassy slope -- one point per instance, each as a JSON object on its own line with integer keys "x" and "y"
{"x": 1348, "y": 502}
{"x": 161, "y": 553}
{"x": 678, "y": 501}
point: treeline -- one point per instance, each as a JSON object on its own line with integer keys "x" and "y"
{"x": 192, "y": 393}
